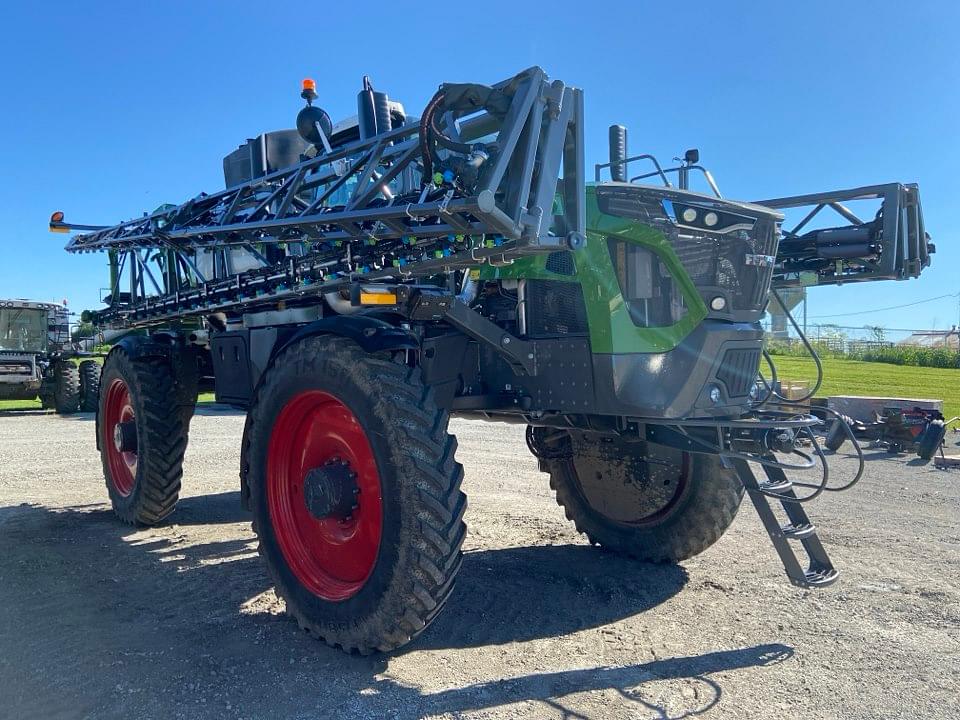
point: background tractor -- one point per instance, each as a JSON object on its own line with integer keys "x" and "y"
{"x": 357, "y": 283}
{"x": 38, "y": 358}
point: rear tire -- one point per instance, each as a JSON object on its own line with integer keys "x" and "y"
{"x": 373, "y": 575}
{"x": 66, "y": 393}
{"x": 89, "y": 386}
{"x": 143, "y": 457}
{"x": 666, "y": 506}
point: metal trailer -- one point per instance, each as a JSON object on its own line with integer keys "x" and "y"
{"x": 357, "y": 284}
{"x": 37, "y": 358}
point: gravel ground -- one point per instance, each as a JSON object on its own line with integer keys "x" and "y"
{"x": 100, "y": 620}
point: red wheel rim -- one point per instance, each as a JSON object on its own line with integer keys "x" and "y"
{"x": 123, "y": 463}
{"x": 331, "y": 557}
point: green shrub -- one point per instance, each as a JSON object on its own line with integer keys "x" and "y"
{"x": 939, "y": 357}
{"x": 916, "y": 355}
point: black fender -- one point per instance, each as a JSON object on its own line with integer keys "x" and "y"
{"x": 146, "y": 346}
{"x": 370, "y": 333}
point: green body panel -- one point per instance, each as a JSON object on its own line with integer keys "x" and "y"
{"x": 611, "y": 328}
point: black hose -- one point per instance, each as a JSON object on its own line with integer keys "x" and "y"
{"x": 760, "y": 460}
{"x": 446, "y": 141}
{"x": 808, "y": 346}
{"x": 853, "y": 439}
{"x": 426, "y": 151}
{"x": 431, "y": 135}
{"x": 773, "y": 380}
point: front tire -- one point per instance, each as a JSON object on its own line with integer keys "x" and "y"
{"x": 646, "y": 501}
{"x": 355, "y": 494}
{"x": 141, "y": 436}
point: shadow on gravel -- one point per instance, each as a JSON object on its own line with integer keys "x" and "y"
{"x": 100, "y": 619}
{"x": 216, "y": 410}
{"x": 523, "y": 593}
{"x": 212, "y": 509}
{"x": 627, "y": 681}
{"x": 76, "y": 417}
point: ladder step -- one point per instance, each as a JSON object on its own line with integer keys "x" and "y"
{"x": 777, "y": 486}
{"x": 798, "y": 531}
{"x": 817, "y": 578}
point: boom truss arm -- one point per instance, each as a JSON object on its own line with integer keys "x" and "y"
{"x": 891, "y": 245}
{"x": 365, "y": 209}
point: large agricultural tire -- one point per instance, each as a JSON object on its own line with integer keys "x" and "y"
{"x": 89, "y": 386}
{"x": 66, "y": 391}
{"x": 663, "y": 507}
{"x": 141, "y": 436}
{"x": 355, "y": 494}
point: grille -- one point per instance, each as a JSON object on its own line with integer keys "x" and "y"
{"x": 554, "y": 308}
{"x": 561, "y": 263}
{"x": 736, "y": 263}
{"x": 738, "y": 371}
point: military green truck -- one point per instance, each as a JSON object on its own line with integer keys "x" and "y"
{"x": 357, "y": 284}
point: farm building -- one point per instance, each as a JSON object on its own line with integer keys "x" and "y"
{"x": 935, "y": 338}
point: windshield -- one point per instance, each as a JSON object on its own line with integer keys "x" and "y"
{"x": 23, "y": 329}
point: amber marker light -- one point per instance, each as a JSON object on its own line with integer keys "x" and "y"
{"x": 55, "y": 222}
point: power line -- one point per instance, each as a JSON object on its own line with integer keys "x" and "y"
{"x": 892, "y": 307}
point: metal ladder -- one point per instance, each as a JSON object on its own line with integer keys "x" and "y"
{"x": 820, "y": 571}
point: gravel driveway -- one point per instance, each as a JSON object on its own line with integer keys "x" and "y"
{"x": 100, "y": 620}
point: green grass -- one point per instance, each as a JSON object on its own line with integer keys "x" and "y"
{"x": 840, "y": 377}
{"x": 855, "y": 377}
{"x": 204, "y": 398}
{"x": 19, "y": 404}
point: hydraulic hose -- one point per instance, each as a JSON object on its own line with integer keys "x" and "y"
{"x": 426, "y": 121}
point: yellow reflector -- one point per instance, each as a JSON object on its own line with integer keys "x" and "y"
{"x": 368, "y": 298}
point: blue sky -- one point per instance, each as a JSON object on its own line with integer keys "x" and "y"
{"x": 111, "y": 109}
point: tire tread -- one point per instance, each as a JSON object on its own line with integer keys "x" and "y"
{"x": 423, "y": 454}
